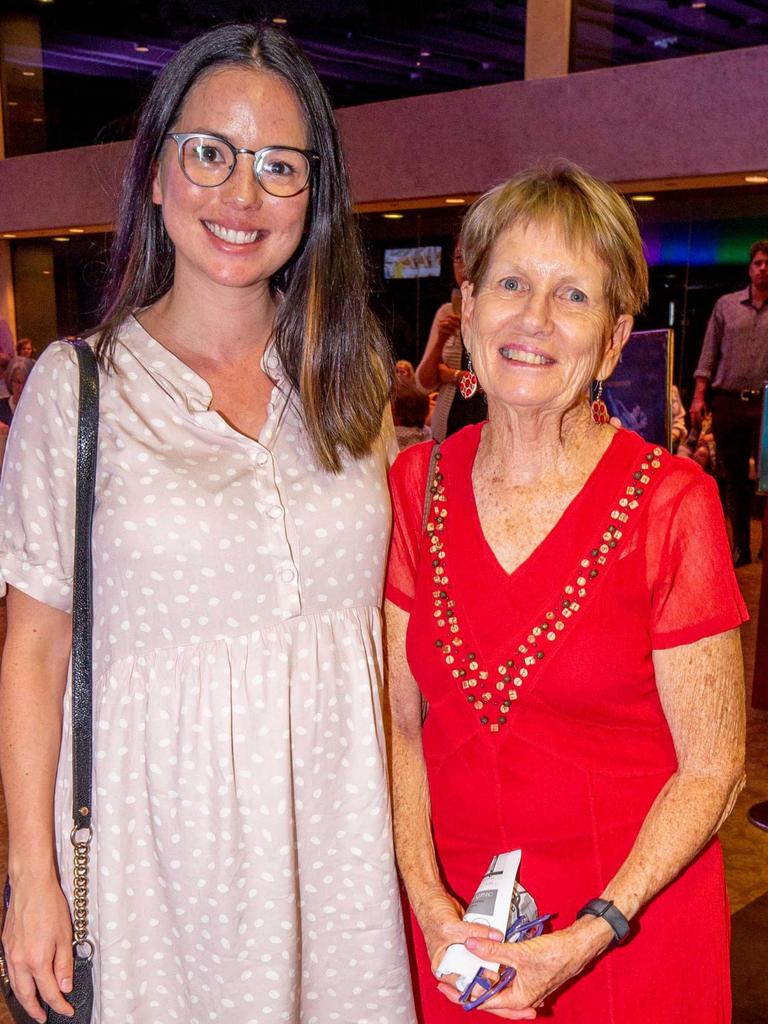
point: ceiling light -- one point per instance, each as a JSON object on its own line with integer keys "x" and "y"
{"x": 37, "y": 120}
{"x": 756, "y": 179}
{"x": 418, "y": 63}
{"x": 7, "y": 235}
{"x": 141, "y": 49}
{"x": 61, "y": 238}
{"x": 28, "y": 74}
{"x": 76, "y": 231}
{"x": 642, "y": 199}
{"x": 47, "y": 273}
{"x": 698, "y": 5}
{"x": 279, "y": 21}
{"x": 455, "y": 201}
{"x": 392, "y": 216}
{"x": 425, "y": 53}
{"x": 13, "y": 103}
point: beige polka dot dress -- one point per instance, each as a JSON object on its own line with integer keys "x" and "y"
{"x": 243, "y": 869}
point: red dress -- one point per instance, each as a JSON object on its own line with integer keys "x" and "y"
{"x": 638, "y": 562}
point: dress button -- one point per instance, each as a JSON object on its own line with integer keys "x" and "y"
{"x": 261, "y": 458}
{"x": 288, "y": 575}
{"x": 275, "y": 512}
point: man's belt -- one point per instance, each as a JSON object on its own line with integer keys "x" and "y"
{"x": 745, "y": 394}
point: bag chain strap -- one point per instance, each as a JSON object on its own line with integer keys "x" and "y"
{"x": 82, "y": 848}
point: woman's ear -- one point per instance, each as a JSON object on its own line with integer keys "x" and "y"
{"x": 467, "y": 308}
{"x": 620, "y": 335}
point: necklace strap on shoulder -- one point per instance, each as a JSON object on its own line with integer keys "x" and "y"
{"x": 433, "y": 460}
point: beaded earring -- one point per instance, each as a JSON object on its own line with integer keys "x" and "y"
{"x": 468, "y": 380}
{"x": 600, "y": 412}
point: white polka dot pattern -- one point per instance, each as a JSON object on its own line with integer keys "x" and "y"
{"x": 243, "y": 871}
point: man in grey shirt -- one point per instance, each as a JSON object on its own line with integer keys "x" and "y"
{"x": 729, "y": 378}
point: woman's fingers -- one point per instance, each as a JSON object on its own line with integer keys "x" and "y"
{"x": 487, "y": 949}
{"x": 481, "y": 932}
{"x": 63, "y": 966}
{"x": 23, "y": 987}
{"x": 524, "y": 1013}
{"x": 49, "y": 990}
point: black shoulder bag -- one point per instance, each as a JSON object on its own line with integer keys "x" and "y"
{"x": 81, "y": 996}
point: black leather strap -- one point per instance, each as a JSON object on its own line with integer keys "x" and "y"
{"x": 82, "y": 606}
{"x": 609, "y": 913}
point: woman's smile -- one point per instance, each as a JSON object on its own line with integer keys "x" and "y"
{"x": 525, "y": 356}
{"x": 234, "y": 236}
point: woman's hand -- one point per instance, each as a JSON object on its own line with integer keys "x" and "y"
{"x": 450, "y": 324}
{"x": 447, "y": 375}
{"x": 542, "y": 965}
{"x": 37, "y": 939}
{"x": 440, "y": 920}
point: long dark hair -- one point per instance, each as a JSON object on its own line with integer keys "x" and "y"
{"x": 330, "y": 345}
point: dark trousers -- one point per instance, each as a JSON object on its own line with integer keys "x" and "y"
{"x": 736, "y": 426}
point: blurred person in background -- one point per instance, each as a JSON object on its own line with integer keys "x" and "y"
{"x": 445, "y": 362}
{"x": 732, "y": 369}
{"x": 410, "y": 408}
{"x": 16, "y": 373}
{"x": 404, "y": 369}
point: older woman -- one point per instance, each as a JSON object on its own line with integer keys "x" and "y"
{"x": 16, "y": 373}
{"x": 570, "y": 618}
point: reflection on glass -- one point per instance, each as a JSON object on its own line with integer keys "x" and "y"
{"x": 611, "y": 32}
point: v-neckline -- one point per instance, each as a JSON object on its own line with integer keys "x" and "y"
{"x": 550, "y": 540}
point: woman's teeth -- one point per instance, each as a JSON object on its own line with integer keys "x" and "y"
{"x": 233, "y": 237}
{"x": 520, "y": 355}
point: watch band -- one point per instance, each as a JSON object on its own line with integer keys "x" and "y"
{"x": 609, "y": 913}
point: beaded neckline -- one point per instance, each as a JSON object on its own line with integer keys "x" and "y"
{"x": 491, "y": 692}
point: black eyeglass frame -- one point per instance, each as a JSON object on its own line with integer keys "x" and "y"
{"x": 312, "y": 158}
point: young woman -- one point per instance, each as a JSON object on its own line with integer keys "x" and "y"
{"x": 242, "y": 866}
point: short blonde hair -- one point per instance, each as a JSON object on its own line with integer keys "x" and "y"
{"x": 590, "y": 214}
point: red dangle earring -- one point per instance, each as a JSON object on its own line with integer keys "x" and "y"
{"x": 600, "y": 412}
{"x": 468, "y": 380}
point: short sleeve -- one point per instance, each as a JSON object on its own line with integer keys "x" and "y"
{"x": 37, "y": 487}
{"x": 407, "y": 482}
{"x": 694, "y": 593}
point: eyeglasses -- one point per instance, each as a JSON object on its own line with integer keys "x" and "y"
{"x": 520, "y": 930}
{"x": 209, "y": 160}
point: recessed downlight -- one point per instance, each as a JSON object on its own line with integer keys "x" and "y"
{"x": 643, "y": 198}
{"x": 455, "y": 201}
{"x": 392, "y": 216}
{"x": 756, "y": 179}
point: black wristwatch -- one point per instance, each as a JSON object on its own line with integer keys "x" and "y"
{"x": 609, "y": 913}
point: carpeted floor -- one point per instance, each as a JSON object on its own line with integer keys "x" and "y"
{"x": 749, "y": 962}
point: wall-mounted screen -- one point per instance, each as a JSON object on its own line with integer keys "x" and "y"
{"x": 417, "y": 261}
